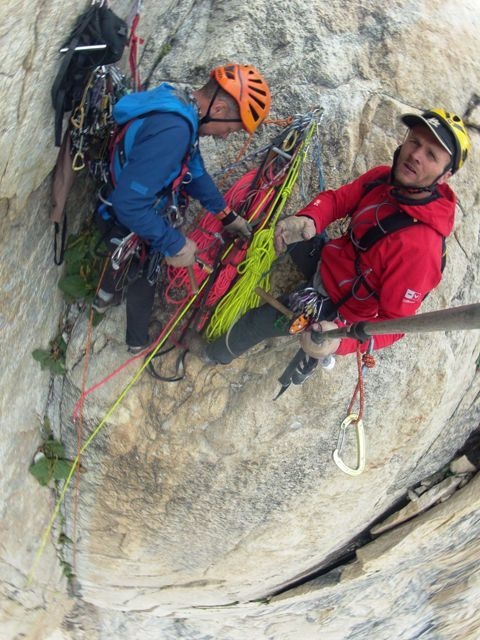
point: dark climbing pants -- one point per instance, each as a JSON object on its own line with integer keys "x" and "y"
{"x": 266, "y": 322}
{"x": 139, "y": 293}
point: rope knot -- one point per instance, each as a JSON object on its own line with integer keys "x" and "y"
{"x": 368, "y": 360}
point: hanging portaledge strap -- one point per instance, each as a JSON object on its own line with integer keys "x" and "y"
{"x": 351, "y": 471}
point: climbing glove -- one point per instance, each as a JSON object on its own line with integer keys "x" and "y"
{"x": 185, "y": 257}
{"x": 235, "y": 224}
{"x": 292, "y": 229}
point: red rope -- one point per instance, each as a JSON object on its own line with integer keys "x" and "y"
{"x": 133, "y": 43}
{"x": 369, "y": 361}
{"x": 207, "y": 236}
{"x": 142, "y": 354}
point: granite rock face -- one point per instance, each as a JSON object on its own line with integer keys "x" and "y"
{"x": 205, "y": 493}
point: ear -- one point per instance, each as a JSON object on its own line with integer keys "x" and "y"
{"x": 219, "y": 107}
{"x": 446, "y": 176}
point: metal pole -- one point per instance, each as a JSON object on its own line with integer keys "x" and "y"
{"x": 456, "y": 319}
{"x": 461, "y": 318}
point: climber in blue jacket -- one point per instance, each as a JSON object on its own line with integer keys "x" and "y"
{"x": 156, "y": 153}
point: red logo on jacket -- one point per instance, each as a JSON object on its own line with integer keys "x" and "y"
{"x": 412, "y": 296}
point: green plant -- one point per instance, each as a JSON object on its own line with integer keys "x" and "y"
{"x": 83, "y": 265}
{"x": 53, "y": 358}
{"x": 50, "y": 462}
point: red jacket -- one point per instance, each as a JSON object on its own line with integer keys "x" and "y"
{"x": 400, "y": 268}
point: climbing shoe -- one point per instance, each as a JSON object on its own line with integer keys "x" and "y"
{"x": 104, "y": 300}
{"x": 138, "y": 348}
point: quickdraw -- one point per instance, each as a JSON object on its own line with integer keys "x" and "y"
{"x": 130, "y": 246}
{"x": 92, "y": 124}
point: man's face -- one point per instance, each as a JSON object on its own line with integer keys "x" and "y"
{"x": 421, "y": 160}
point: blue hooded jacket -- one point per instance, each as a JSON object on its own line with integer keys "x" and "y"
{"x": 165, "y": 133}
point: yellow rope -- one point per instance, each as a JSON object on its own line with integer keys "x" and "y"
{"x": 254, "y": 270}
{"x": 102, "y": 423}
{"x": 241, "y": 297}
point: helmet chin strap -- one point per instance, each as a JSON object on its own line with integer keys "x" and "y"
{"x": 208, "y": 118}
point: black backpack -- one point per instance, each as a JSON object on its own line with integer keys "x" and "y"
{"x": 98, "y": 38}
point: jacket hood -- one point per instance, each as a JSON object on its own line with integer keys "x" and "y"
{"x": 164, "y": 98}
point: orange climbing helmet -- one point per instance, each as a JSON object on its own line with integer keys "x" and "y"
{"x": 248, "y": 87}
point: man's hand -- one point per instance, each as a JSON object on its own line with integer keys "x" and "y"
{"x": 239, "y": 227}
{"x": 324, "y": 348}
{"x": 185, "y": 257}
{"x": 293, "y": 229}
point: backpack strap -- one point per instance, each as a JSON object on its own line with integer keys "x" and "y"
{"x": 118, "y": 150}
{"x": 394, "y": 222}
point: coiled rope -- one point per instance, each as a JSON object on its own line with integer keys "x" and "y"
{"x": 256, "y": 267}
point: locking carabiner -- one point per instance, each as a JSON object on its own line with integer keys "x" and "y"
{"x": 351, "y": 471}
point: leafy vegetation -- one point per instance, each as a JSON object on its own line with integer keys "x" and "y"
{"x": 54, "y": 357}
{"x": 50, "y": 462}
{"x": 83, "y": 265}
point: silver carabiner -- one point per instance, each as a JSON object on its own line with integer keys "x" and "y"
{"x": 126, "y": 247}
{"x": 351, "y": 471}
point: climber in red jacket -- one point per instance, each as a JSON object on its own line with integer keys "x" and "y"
{"x": 389, "y": 259}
